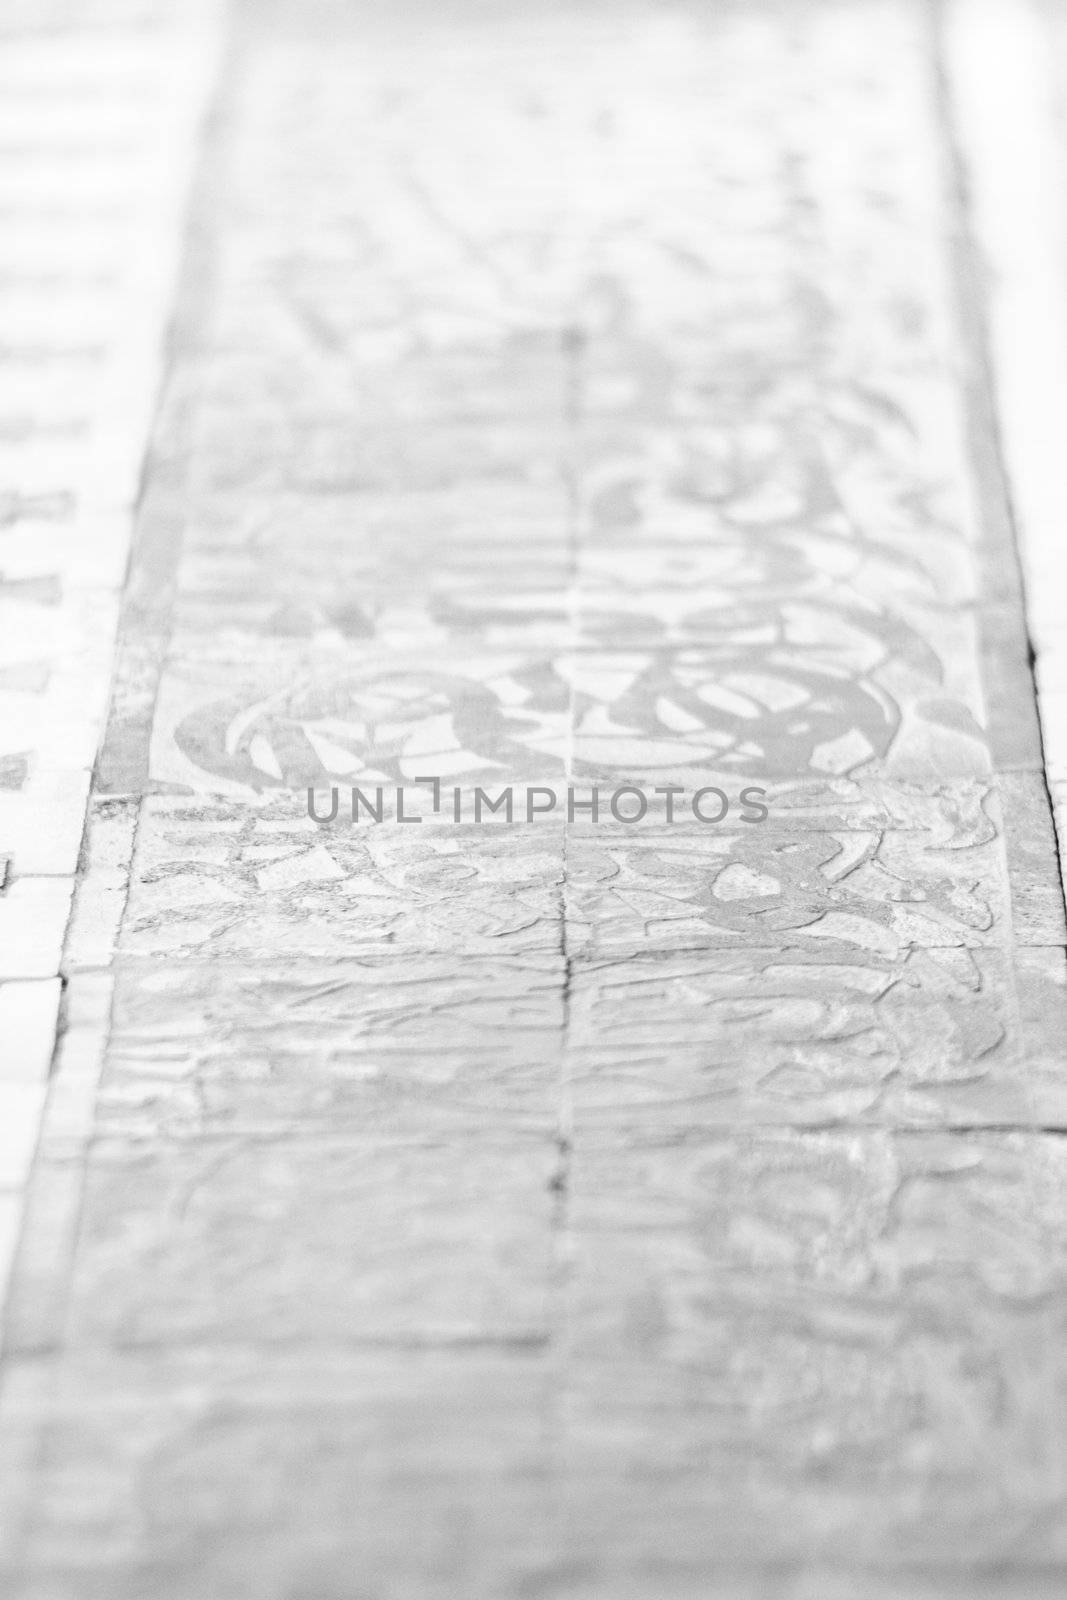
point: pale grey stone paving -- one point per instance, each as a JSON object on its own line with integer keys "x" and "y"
{"x": 1005, "y": 70}
{"x": 97, "y": 122}
{"x": 558, "y": 1209}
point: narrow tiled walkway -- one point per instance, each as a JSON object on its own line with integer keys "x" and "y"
{"x": 595, "y": 396}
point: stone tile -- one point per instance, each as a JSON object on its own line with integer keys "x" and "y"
{"x": 10, "y": 1222}
{"x": 385, "y": 1049}
{"x": 80, "y": 1050}
{"x": 816, "y": 1313}
{"x": 96, "y": 134}
{"x": 955, "y": 1225}
{"x": 486, "y": 408}
{"x": 731, "y": 1039}
{"x": 103, "y": 882}
{"x": 263, "y": 715}
{"x": 991, "y": 1580}
{"x": 427, "y": 439}
{"x": 1012, "y": 723}
{"x": 414, "y": 627}
{"x": 657, "y": 526}
{"x": 41, "y": 822}
{"x": 741, "y": 1360}
{"x": 21, "y": 1105}
{"x": 344, "y": 1240}
{"x": 28, "y": 1013}
{"x": 793, "y": 691}
{"x": 284, "y": 1474}
{"x": 339, "y": 555}
{"x": 998, "y": 78}
{"x": 55, "y": 661}
{"x": 1025, "y": 820}
{"x": 36, "y": 1310}
{"x": 733, "y": 1538}
{"x": 33, "y": 920}
{"x": 229, "y": 880}
{"x": 833, "y": 882}
{"x": 90, "y": 550}
{"x": 752, "y": 710}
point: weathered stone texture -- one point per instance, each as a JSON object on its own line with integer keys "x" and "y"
{"x": 557, "y": 1209}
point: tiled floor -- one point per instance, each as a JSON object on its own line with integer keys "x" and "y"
{"x": 589, "y": 396}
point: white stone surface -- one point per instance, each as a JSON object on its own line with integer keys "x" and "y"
{"x": 28, "y": 1013}
{"x": 99, "y": 125}
{"x": 10, "y": 1221}
{"x": 33, "y": 921}
{"x": 539, "y": 1211}
{"x": 1003, "y": 57}
{"x": 21, "y": 1105}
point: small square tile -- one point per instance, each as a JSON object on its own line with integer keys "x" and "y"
{"x": 28, "y": 1013}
